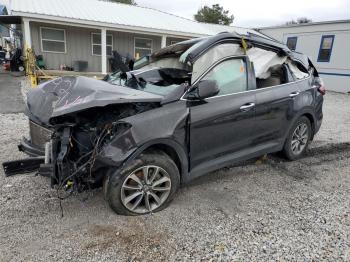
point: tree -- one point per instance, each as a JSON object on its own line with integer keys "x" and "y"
{"x": 129, "y": 2}
{"x": 300, "y": 20}
{"x": 214, "y": 15}
{"x": 304, "y": 20}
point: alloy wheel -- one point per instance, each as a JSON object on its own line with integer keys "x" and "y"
{"x": 145, "y": 189}
{"x": 300, "y": 138}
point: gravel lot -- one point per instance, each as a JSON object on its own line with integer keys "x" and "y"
{"x": 265, "y": 210}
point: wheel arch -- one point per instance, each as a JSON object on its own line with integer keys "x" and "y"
{"x": 173, "y": 149}
{"x": 307, "y": 113}
{"x": 311, "y": 118}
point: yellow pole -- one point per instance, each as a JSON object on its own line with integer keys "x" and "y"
{"x": 30, "y": 62}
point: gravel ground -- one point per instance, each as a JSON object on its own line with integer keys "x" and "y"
{"x": 265, "y": 210}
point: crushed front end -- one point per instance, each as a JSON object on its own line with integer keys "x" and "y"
{"x": 38, "y": 136}
{"x": 72, "y": 120}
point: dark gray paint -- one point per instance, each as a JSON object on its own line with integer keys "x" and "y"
{"x": 70, "y": 94}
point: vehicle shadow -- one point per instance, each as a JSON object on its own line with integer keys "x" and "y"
{"x": 314, "y": 156}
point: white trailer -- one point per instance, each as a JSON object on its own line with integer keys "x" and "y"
{"x": 326, "y": 43}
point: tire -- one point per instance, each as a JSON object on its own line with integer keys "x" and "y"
{"x": 130, "y": 183}
{"x": 293, "y": 150}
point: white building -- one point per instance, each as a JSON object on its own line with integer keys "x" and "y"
{"x": 326, "y": 43}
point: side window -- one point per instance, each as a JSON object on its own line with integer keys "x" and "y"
{"x": 326, "y": 46}
{"x": 292, "y": 42}
{"x": 142, "y": 47}
{"x": 96, "y": 44}
{"x": 231, "y": 76}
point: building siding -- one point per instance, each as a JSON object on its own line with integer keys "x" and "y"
{"x": 124, "y": 42}
{"x": 78, "y": 46}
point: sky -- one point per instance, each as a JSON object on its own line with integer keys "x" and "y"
{"x": 258, "y": 13}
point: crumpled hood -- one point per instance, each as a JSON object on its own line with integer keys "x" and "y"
{"x": 70, "y": 94}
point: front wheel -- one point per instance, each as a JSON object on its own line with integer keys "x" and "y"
{"x": 147, "y": 185}
{"x": 298, "y": 139}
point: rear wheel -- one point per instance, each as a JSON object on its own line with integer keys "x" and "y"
{"x": 298, "y": 139}
{"x": 147, "y": 185}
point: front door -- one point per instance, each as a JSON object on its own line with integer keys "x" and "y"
{"x": 220, "y": 126}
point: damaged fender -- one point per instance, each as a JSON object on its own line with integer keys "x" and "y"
{"x": 167, "y": 127}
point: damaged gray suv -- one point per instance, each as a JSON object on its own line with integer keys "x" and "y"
{"x": 186, "y": 110}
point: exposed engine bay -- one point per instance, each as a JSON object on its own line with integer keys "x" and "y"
{"x": 74, "y": 148}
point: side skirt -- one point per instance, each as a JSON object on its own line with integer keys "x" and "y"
{"x": 233, "y": 158}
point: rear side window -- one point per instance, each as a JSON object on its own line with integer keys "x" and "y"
{"x": 231, "y": 76}
{"x": 326, "y": 46}
{"x": 292, "y": 42}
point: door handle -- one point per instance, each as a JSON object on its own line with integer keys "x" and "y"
{"x": 294, "y": 94}
{"x": 247, "y": 106}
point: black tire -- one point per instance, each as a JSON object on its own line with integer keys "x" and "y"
{"x": 114, "y": 183}
{"x": 287, "y": 149}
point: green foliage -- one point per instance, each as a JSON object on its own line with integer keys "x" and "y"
{"x": 129, "y": 2}
{"x": 300, "y": 20}
{"x": 214, "y": 15}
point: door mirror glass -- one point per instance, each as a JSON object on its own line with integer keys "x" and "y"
{"x": 207, "y": 88}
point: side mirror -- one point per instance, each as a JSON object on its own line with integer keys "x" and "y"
{"x": 207, "y": 88}
{"x": 204, "y": 89}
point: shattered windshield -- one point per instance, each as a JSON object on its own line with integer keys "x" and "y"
{"x": 160, "y": 81}
{"x": 159, "y": 73}
{"x": 142, "y": 62}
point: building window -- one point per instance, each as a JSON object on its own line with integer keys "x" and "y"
{"x": 174, "y": 42}
{"x": 324, "y": 54}
{"x": 143, "y": 47}
{"x": 292, "y": 42}
{"x": 53, "y": 40}
{"x": 96, "y": 44}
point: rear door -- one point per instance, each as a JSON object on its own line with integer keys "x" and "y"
{"x": 275, "y": 109}
{"x": 222, "y": 125}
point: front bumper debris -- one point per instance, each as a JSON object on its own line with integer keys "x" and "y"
{"x": 22, "y": 166}
{"x": 32, "y": 150}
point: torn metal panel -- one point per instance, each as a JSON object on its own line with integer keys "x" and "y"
{"x": 177, "y": 48}
{"x": 71, "y": 94}
{"x": 166, "y": 123}
{"x": 296, "y": 71}
{"x": 22, "y": 166}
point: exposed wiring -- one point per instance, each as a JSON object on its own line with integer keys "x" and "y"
{"x": 90, "y": 162}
